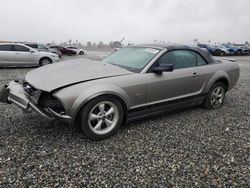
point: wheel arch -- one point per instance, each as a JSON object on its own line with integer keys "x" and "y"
{"x": 224, "y": 81}
{"x": 45, "y": 57}
{"x": 84, "y": 103}
{"x": 220, "y": 76}
{"x": 96, "y": 91}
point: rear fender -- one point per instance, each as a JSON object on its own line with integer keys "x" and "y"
{"x": 218, "y": 75}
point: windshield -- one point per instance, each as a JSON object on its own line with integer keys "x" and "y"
{"x": 132, "y": 58}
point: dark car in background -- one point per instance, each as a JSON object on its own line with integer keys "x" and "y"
{"x": 245, "y": 50}
{"x": 78, "y": 50}
{"x": 225, "y": 51}
{"x": 212, "y": 50}
{"x": 64, "y": 50}
{"x": 237, "y": 50}
{"x": 43, "y": 48}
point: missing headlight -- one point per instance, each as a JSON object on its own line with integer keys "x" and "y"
{"x": 29, "y": 89}
{"x": 46, "y": 100}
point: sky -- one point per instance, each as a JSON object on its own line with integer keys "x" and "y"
{"x": 138, "y": 21}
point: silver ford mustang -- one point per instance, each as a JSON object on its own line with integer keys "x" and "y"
{"x": 134, "y": 82}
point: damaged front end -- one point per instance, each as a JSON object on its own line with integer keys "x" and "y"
{"x": 30, "y": 99}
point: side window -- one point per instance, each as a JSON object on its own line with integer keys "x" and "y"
{"x": 179, "y": 58}
{"x": 31, "y": 45}
{"x": 39, "y": 46}
{"x": 184, "y": 59}
{"x": 202, "y": 46}
{"x": 5, "y": 47}
{"x": 20, "y": 48}
{"x": 167, "y": 58}
{"x": 200, "y": 60}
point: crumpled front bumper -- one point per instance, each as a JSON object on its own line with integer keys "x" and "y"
{"x": 13, "y": 92}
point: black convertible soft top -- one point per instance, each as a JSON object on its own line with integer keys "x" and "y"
{"x": 205, "y": 54}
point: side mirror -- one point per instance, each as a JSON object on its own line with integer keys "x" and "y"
{"x": 32, "y": 51}
{"x": 163, "y": 68}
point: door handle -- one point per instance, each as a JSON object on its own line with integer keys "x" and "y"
{"x": 195, "y": 74}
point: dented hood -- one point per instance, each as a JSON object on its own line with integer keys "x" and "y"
{"x": 63, "y": 74}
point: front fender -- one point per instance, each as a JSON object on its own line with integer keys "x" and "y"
{"x": 95, "y": 91}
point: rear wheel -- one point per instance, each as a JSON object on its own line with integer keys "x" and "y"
{"x": 215, "y": 96}
{"x": 45, "y": 61}
{"x": 101, "y": 118}
{"x": 81, "y": 52}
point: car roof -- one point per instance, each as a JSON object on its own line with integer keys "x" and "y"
{"x": 34, "y": 43}
{"x": 6, "y": 43}
{"x": 12, "y": 43}
{"x": 171, "y": 46}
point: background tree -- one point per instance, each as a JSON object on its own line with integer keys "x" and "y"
{"x": 117, "y": 44}
{"x": 89, "y": 44}
{"x": 100, "y": 44}
{"x": 70, "y": 41}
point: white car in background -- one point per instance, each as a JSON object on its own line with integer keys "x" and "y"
{"x": 15, "y": 54}
{"x": 77, "y": 50}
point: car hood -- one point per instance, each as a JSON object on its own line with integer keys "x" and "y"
{"x": 63, "y": 74}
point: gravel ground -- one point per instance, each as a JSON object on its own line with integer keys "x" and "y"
{"x": 193, "y": 148}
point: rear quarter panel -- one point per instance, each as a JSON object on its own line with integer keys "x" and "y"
{"x": 225, "y": 69}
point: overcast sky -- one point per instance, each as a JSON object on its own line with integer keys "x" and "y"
{"x": 139, "y": 21}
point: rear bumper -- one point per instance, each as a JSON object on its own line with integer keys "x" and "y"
{"x": 228, "y": 52}
{"x": 14, "y": 93}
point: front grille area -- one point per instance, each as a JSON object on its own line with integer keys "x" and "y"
{"x": 46, "y": 100}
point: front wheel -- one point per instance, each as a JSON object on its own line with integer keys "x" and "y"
{"x": 81, "y": 52}
{"x": 223, "y": 54}
{"x": 101, "y": 118}
{"x": 215, "y": 96}
{"x": 45, "y": 61}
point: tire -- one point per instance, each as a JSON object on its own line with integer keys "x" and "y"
{"x": 215, "y": 97}
{"x": 223, "y": 53}
{"x": 101, "y": 118}
{"x": 217, "y": 52}
{"x": 45, "y": 61}
{"x": 81, "y": 52}
{"x": 239, "y": 52}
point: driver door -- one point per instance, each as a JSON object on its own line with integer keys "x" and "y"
{"x": 184, "y": 81}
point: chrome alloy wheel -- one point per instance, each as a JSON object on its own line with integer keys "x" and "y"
{"x": 103, "y": 117}
{"x": 45, "y": 62}
{"x": 217, "y": 97}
